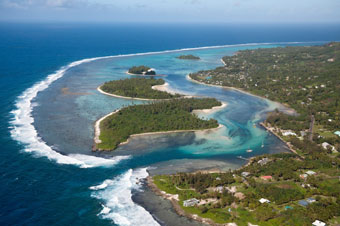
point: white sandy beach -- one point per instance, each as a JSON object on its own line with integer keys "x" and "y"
{"x": 164, "y": 88}
{"x": 97, "y": 127}
{"x": 223, "y": 62}
{"x": 211, "y": 110}
{"x": 128, "y": 73}
{"x": 113, "y": 95}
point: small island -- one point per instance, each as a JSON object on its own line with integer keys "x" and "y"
{"x": 188, "y": 57}
{"x": 141, "y": 70}
{"x": 137, "y": 88}
{"x": 158, "y": 117}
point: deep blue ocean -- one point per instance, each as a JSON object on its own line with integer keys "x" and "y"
{"x": 35, "y": 190}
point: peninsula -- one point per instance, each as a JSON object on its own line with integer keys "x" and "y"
{"x": 297, "y": 188}
{"x": 141, "y": 70}
{"x": 188, "y": 57}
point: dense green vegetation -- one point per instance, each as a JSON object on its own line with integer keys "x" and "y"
{"x": 188, "y": 57}
{"x": 141, "y": 70}
{"x": 284, "y": 191}
{"x": 137, "y": 88}
{"x": 158, "y": 116}
{"x": 305, "y": 78}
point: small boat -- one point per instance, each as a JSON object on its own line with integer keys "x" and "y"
{"x": 262, "y": 144}
{"x": 249, "y": 150}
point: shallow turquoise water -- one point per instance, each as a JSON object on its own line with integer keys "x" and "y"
{"x": 65, "y": 121}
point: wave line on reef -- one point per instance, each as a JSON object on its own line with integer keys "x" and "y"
{"x": 22, "y": 128}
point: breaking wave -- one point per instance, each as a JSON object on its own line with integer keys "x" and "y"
{"x": 116, "y": 195}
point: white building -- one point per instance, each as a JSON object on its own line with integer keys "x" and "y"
{"x": 219, "y": 189}
{"x": 310, "y": 172}
{"x": 318, "y": 223}
{"x": 263, "y": 161}
{"x": 288, "y": 133}
{"x": 310, "y": 200}
{"x": 325, "y": 145}
{"x": 190, "y": 202}
{"x": 262, "y": 200}
{"x": 245, "y": 174}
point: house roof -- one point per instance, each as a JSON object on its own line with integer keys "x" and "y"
{"x": 310, "y": 172}
{"x": 311, "y": 200}
{"x": 192, "y": 200}
{"x": 262, "y": 200}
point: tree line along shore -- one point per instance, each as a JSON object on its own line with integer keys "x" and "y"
{"x": 298, "y": 188}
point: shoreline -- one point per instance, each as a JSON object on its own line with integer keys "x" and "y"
{"x": 223, "y": 62}
{"x": 170, "y": 131}
{"x": 270, "y": 129}
{"x": 174, "y": 202}
{"x": 164, "y": 88}
{"x": 211, "y": 110}
{"x": 97, "y": 127}
{"x": 123, "y": 97}
{"x": 288, "y": 109}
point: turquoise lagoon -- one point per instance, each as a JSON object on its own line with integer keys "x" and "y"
{"x": 65, "y": 120}
{"x": 61, "y": 111}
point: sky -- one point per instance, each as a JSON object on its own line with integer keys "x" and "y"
{"x": 190, "y": 11}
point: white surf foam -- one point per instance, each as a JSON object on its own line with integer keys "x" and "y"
{"x": 118, "y": 205}
{"x": 93, "y": 161}
{"x": 22, "y": 128}
{"x": 102, "y": 185}
{"x": 105, "y": 210}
